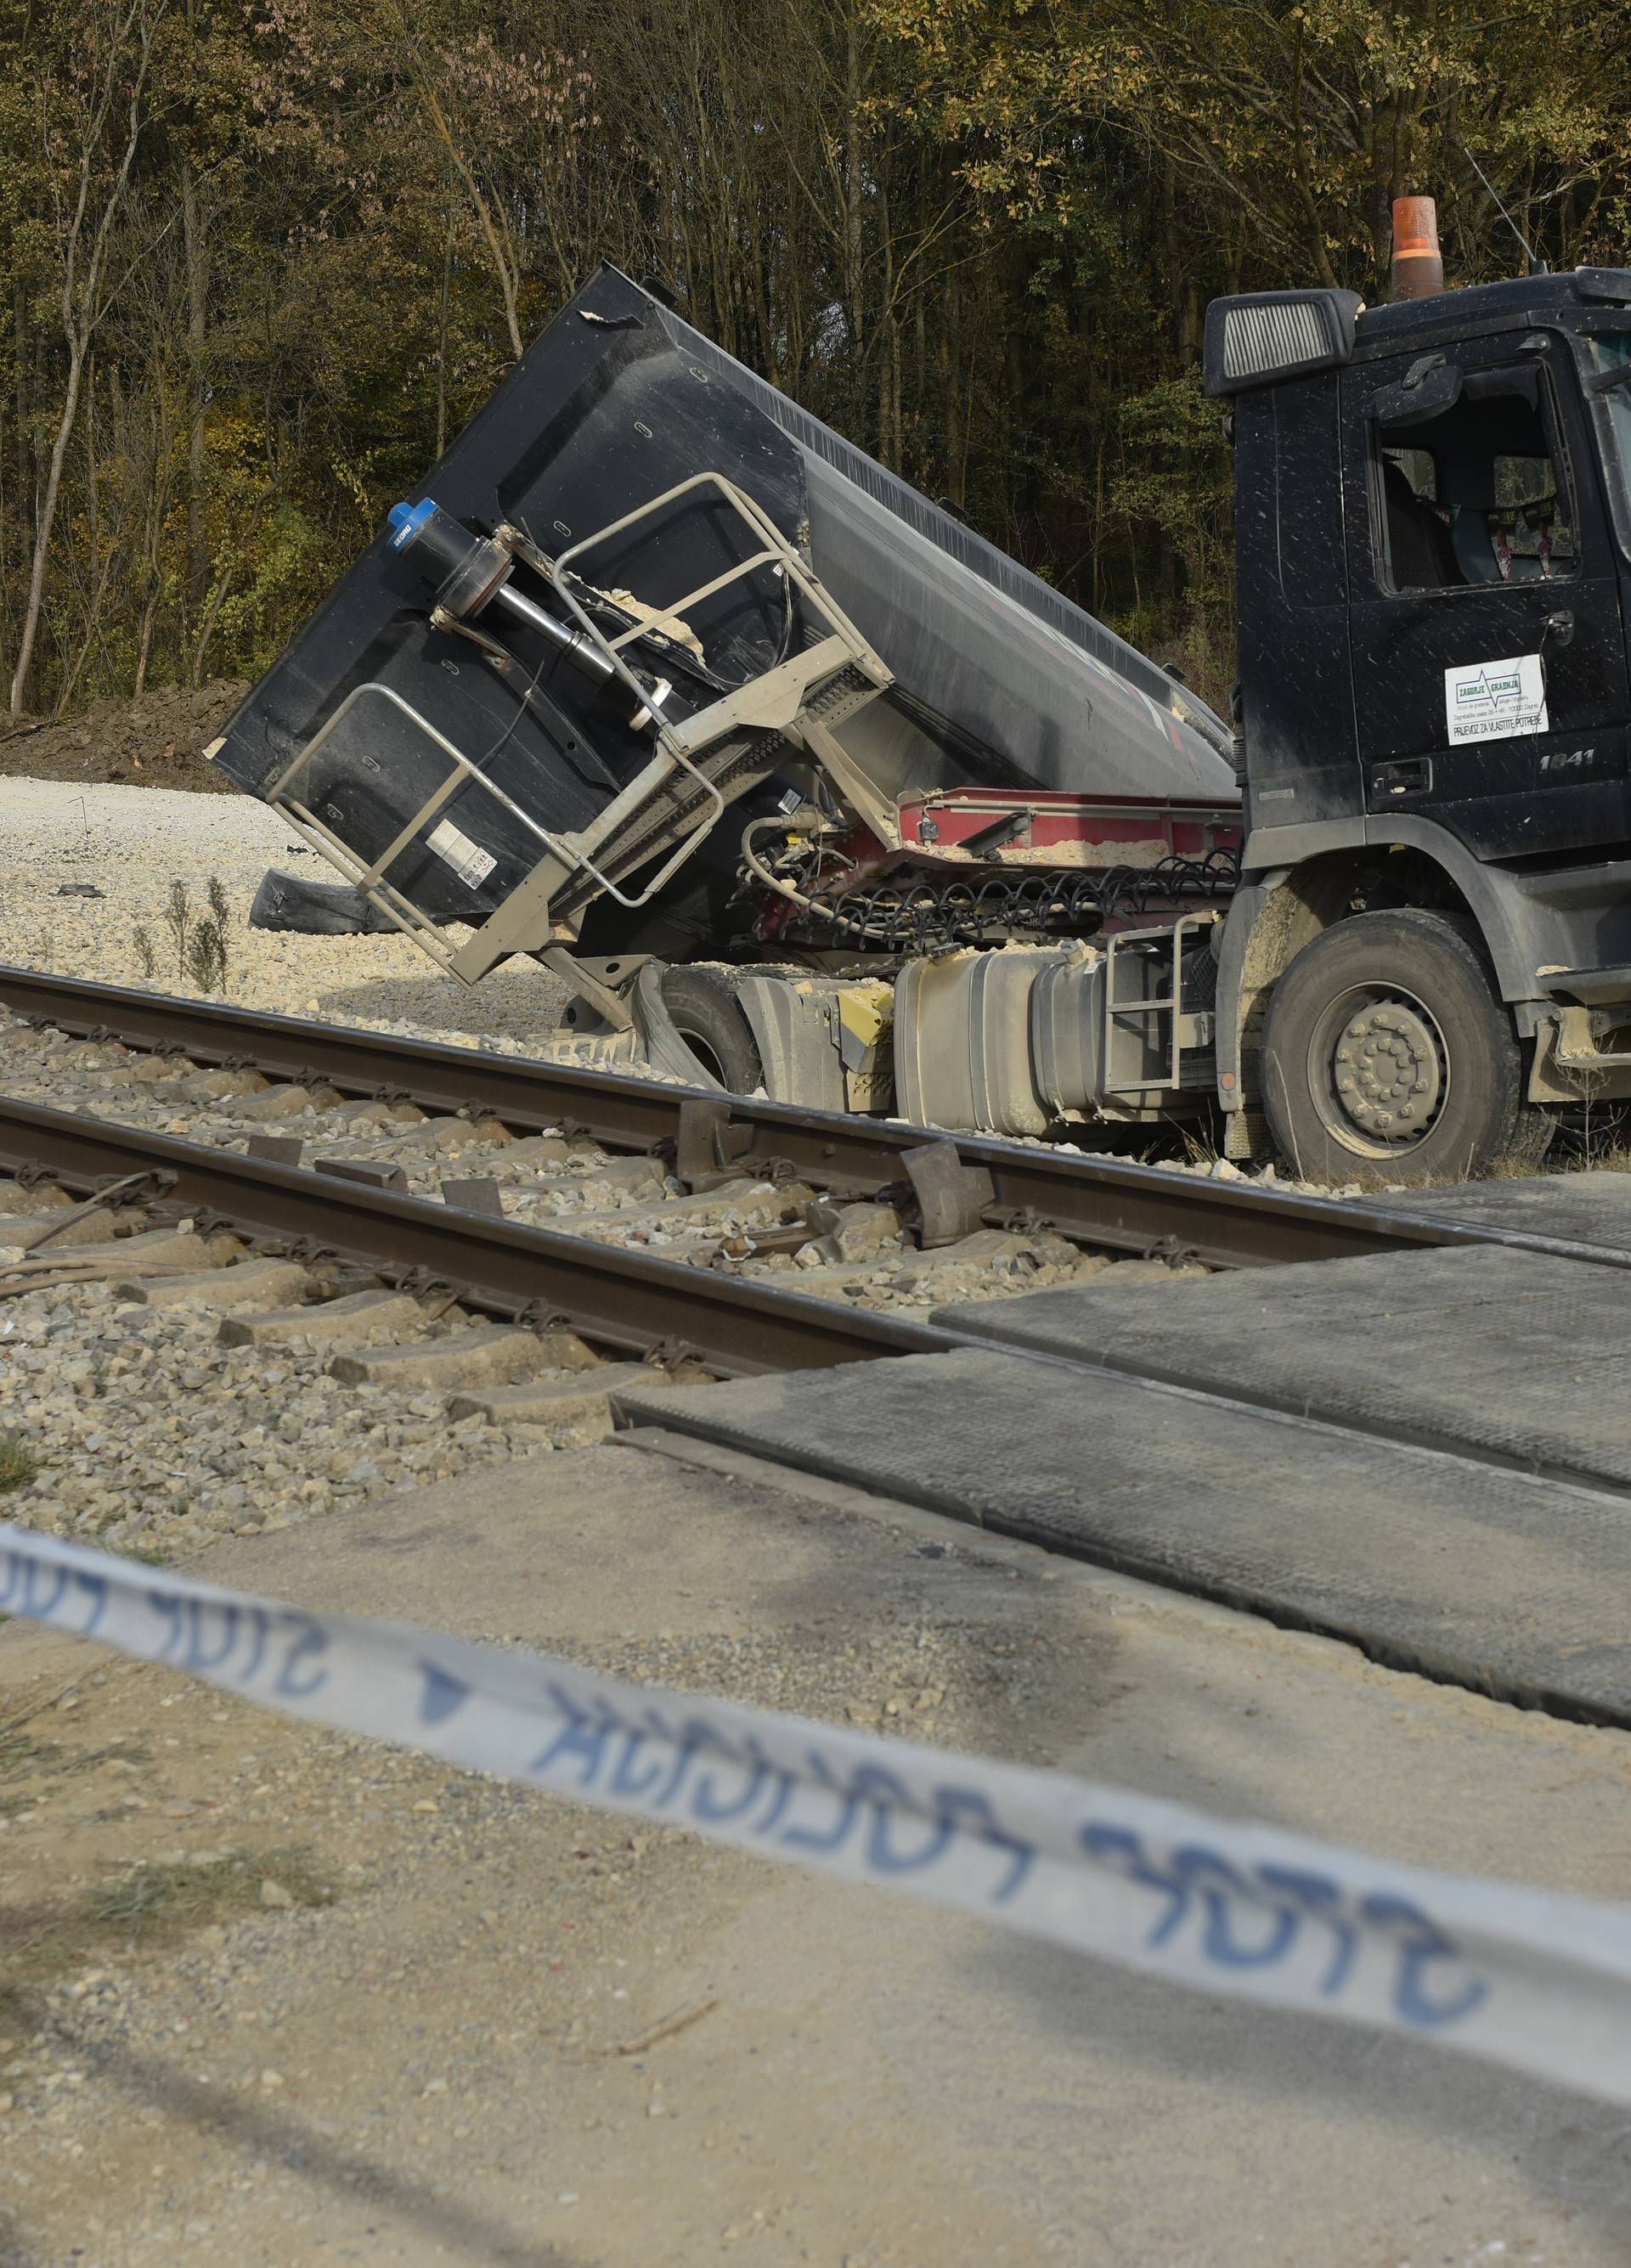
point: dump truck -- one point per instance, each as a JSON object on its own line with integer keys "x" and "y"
{"x": 805, "y": 788}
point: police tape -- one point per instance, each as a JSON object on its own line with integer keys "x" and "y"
{"x": 1536, "y": 1980}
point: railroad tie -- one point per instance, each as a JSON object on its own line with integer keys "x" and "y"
{"x": 357, "y": 1315}
{"x": 559, "y": 1400}
{"x": 496, "y": 1354}
{"x": 242, "y": 1283}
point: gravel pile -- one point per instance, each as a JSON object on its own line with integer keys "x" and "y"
{"x": 130, "y": 844}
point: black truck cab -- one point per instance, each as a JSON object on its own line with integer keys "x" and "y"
{"x": 1434, "y": 587}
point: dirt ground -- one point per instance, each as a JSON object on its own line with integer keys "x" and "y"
{"x": 158, "y": 741}
{"x": 273, "y": 1995}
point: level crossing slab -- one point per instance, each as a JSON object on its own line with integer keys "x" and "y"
{"x": 1593, "y": 1207}
{"x": 1513, "y": 1357}
{"x": 1510, "y": 1585}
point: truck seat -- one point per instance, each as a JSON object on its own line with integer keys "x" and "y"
{"x": 1474, "y": 547}
{"x": 1420, "y": 552}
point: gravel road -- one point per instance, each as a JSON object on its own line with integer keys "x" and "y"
{"x": 396, "y": 2014}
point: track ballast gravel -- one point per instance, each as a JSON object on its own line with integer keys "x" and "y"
{"x": 154, "y": 1431}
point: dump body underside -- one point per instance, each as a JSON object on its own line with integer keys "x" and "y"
{"x": 842, "y": 645}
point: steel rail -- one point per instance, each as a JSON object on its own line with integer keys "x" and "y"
{"x": 1108, "y": 1202}
{"x": 637, "y": 1302}
{"x": 623, "y": 1299}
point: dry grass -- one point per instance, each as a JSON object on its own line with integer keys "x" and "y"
{"x": 152, "y": 1904}
{"x": 18, "y": 1464}
{"x": 1617, "y": 1160}
{"x": 203, "y": 942}
{"x": 154, "y": 1895}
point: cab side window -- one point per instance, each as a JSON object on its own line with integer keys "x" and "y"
{"x": 1468, "y": 492}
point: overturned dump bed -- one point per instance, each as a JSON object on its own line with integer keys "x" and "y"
{"x": 641, "y": 588}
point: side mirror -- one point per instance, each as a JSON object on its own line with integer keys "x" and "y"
{"x": 1260, "y": 337}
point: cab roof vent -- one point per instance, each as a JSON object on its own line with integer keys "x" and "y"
{"x": 1267, "y": 335}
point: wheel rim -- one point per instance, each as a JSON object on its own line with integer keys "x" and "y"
{"x": 1378, "y": 1070}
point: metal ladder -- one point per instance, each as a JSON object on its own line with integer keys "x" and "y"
{"x": 826, "y": 681}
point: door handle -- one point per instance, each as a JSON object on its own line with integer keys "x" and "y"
{"x": 1561, "y": 626}
{"x": 1412, "y": 776}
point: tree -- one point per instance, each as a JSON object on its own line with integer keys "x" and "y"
{"x": 93, "y": 106}
{"x": 265, "y": 260}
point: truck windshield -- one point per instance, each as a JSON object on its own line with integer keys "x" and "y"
{"x": 1610, "y": 355}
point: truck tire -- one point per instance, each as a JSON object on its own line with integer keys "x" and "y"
{"x": 708, "y": 1017}
{"x": 1388, "y": 1057}
{"x": 314, "y": 908}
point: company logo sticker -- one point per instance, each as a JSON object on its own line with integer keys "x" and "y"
{"x": 1496, "y": 700}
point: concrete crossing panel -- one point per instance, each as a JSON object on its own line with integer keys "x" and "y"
{"x": 1510, "y": 1585}
{"x": 1519, "y": 1359}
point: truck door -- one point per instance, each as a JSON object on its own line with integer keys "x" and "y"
{"x": 1489, "y": 658}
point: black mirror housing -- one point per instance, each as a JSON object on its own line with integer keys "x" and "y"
{"x": 1264, "y": 336}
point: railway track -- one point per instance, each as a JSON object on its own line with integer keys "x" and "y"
{"x": 1112, "y": 1205}
{"x": 690, "y": 1234}
{"x": 622, "y": 1236}
{"x": 635, "y": 1301}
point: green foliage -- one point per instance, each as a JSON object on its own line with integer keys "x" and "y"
{"x": 1174, "y": 480}
{"x": 283, "y": 564}
{"x": 979, "y": 236}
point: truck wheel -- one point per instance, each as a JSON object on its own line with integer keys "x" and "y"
{"x": 1387, "y": 1056}
{"x": 708, "y": 1017}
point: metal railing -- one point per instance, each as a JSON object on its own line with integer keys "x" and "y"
{"x": 772, "y": 701}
